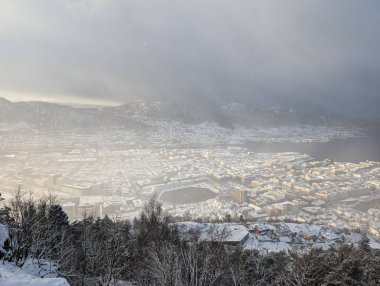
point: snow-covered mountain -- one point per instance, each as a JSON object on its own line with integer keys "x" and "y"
{"x": 43, "y": 115}
{"x": 50, "y": 116}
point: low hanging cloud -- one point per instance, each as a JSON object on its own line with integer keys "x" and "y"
{"x": 311, "y": 55}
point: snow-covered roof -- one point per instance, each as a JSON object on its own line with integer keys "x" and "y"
{"x": 227, "y": 232}
{"x": 262, "y": 226}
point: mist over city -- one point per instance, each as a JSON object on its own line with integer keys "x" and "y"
{"x": 189, "y": 142}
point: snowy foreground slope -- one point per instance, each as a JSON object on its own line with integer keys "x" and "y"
{"x": 11, "y": 275}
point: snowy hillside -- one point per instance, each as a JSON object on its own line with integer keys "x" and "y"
{"x": 29, "y": 274}
{"x": 45, "y": 116}
{"x": 11, "y": 275}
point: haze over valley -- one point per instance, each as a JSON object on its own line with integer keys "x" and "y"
{"x": 110, "y": 160}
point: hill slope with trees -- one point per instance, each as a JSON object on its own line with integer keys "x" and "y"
{"x": 150, "y": 251}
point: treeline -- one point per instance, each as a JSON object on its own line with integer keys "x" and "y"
{"x": 150, "y": 251}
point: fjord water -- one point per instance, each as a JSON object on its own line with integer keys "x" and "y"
{"x": 357, "y": 149}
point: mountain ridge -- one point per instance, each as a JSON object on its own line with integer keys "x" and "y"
{"x": 135, "y": 114}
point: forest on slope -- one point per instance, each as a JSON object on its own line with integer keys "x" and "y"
{"x": 151, "y": 251}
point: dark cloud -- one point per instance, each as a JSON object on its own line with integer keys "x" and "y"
{"x": 313, "y": 55}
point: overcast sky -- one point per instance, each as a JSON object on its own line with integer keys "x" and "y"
{"x": 311, "y": 55}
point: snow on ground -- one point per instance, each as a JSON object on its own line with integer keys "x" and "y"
{"x": 43, "y": 268}
{"x": 285, "y": 239}
{"x": 31, "y": 272}
{"x": 373, "y": 244}
{"x": 11, "y": 275}
{"x": 323, "y": 245}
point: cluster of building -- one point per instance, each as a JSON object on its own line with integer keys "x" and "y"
{"x": 271, "y": 237}
{"x": 174, "y": 134}
{"x": 100, "y": 174}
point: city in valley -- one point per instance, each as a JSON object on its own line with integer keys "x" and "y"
{"x": 98, "y": 174}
